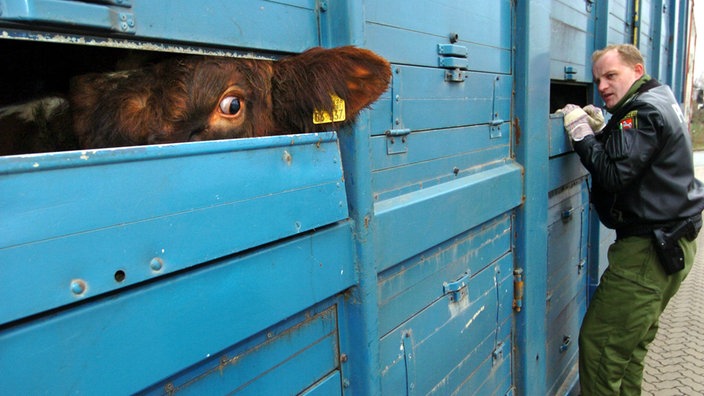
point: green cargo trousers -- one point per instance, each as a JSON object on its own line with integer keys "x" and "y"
{"x": 622, "y": 317}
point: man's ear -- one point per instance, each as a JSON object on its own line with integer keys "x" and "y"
{"x": 304, "y": 85}
{"x": 639, "y": 69}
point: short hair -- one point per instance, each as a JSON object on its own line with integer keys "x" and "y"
{"x": 629, "y": 53}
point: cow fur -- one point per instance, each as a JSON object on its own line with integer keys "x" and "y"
{"x": 207, "y": 98}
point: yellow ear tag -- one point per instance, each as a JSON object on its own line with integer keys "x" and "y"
{"x": 338, "y": 112}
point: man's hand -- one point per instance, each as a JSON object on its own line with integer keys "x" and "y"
{"x": 596, "y": 118}
{"x": 576, "y": 122}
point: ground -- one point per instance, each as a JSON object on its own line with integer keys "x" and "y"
{"x": 697, "y": 129}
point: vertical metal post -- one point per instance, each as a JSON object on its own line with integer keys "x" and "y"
{"x": 635, "y": 33}
{"x": 362, "y": 371}
{"x": 531, "y": 116}
{"x": 679, "y": 58}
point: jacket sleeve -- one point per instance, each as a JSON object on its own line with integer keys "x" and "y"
{"x": 621, "y": 157}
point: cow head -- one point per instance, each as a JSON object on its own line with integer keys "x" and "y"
{"x": 206, "y": 98}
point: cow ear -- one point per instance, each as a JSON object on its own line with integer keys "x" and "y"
{"x": 303, "y": 87}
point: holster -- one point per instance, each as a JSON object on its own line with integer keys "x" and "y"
{"x": 667, "y": 244}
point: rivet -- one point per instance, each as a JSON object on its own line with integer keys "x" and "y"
{"x": 156, "y": 264}
{"x": 78, "y": 286}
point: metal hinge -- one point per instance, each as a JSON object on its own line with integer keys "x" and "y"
{"x": 518, "y": 289}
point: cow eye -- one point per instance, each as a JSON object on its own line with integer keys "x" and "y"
{"x": 230, "y": 105}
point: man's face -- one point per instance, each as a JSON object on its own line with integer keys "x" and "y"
{"x": 613, "y": 77}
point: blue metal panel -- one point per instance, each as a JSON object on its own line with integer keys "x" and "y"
{"x": 424, "y": 100}
{"x": 417, "y": 211}
{"x": 411, "y": 286}
{"x": 572, "y": 39}
{"x": 330, "y": 385}
{"x": 140, "y": 213}
{"x": 434, "y": 352}
{"x": 284, "y": 359}
{"x": 410, "y": 34}
{"x": 125, "y": 342}
{"x": 435, "y": 157}
{"x": 72, "y": 13}
{"x": 619, "y": 23}
{"x": 289, "y": 25}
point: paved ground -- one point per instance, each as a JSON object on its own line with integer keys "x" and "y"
{"x": 675, "y": 362}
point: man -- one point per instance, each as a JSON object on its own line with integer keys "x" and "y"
{"x": 643, "y": 186}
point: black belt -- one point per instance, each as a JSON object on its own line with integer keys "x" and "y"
{"x": 647, "y": 229}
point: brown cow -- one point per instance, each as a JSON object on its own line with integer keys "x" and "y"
{"x": 207, "y": 98}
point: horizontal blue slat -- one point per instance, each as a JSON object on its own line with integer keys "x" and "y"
{"x": 291, "y": 25}
{"x": 287, "y": 360}
{"x": 435, "y": 157}
{"x": 70, "y": 13}
{"x": 426, "y": 101}
{"x": 88, "y": 215}
{"x": 409, "y": 224}
{"x": 565, "y": 169}
{"x": 126, "y": 342}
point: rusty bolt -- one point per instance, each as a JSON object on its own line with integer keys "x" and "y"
{"x": 343, "y": 357}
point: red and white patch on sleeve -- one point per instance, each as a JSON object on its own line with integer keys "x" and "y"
{"x": 627, "y": 123}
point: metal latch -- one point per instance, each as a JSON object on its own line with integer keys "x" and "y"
{"x": 498, "y": 354}
{"x": 453, "y": 57}
{"x": 397, "y": 141}
{"x": 457, "y": 289}
{"x": 566, "y": 341}
{"x": 570, "y": 73}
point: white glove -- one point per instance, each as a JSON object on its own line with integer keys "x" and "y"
{"x": 576, "y": 122}
{"x": 596, "y": 118}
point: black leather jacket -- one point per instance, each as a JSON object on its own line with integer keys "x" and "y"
{"x": 641, "y": 165}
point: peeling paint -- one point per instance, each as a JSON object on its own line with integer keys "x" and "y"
{"x": 469, "y": 323}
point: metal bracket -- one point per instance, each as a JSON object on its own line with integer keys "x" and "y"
{"x": 457, "y": 289}
{"x": 454, "y": 57}
{"x": 566, "y": 341}
{"x": 397, "y": 141}
{"x": 570, "y": 73}
{"x": 495, "y": 124}
{"x": 498, "y": 354}
{"x": 455, "y": 75}
{"x": 410, "y": 360}
{"x": 581, "y": 265}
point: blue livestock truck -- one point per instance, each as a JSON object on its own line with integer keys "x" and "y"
{"x": 442, "y": 244}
